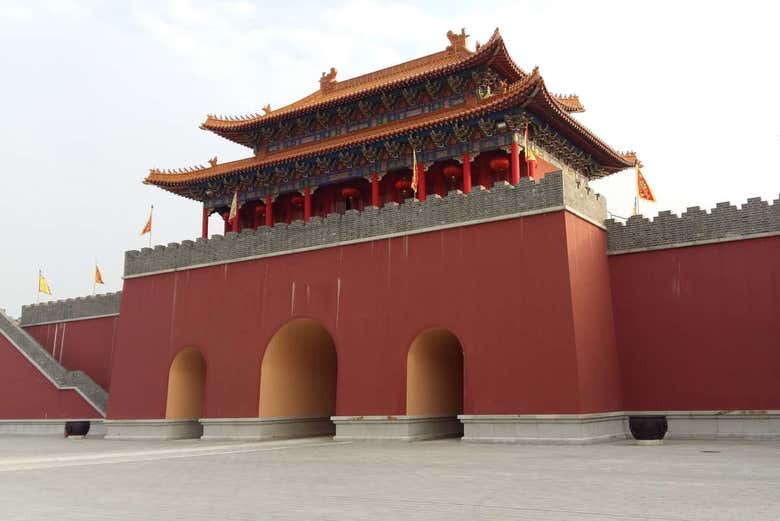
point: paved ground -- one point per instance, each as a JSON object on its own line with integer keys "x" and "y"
{"x": 57, "y": 479}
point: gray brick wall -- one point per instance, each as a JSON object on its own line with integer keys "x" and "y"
{"x": 723, "y": 223}
{"x": 72, "y": 308}
{"x": 556, "y": 190}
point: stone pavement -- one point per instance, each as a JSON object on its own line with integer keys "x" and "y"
{"x": 93, "y": 479}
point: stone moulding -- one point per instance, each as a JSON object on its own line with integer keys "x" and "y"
{"x": 717, "y": 425}
{"x": 544, "y": 429}
{"x": 725, "y": 222}
{"x": 258, "y": 429}
{"x": 93, "y": 306}
{"x": 403, "y": 428}
{"x": 47, "y": 427}
{"x": 155, "y": 429}
{"x": 555, "y": 192}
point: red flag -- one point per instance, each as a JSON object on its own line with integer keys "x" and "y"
{"x": 148, "y": 225}
{"x": 642, "y": 188}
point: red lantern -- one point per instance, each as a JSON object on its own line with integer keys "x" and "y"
{"x": 452, "y": 171}
{"x": 348, "y": 193}
{"x": 499, "y": 164}
{"x": 403, "y": 184}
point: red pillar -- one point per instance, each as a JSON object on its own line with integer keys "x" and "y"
{"x": 269, "y": 211}
{"x": 306, "y": 204}
{"x": 237, "y": 221}
{"x": 204, "y": 223}
{"x": 466, "y": 173}
{"x": 514, "y": 161}
{"x": 375, "y": 190}
{"x": 421, "y": 193}
{"x": 531, "y": 165}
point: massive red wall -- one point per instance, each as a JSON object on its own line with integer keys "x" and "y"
{"x": 698, "y": 328}
{"x": 501, "y": 287}
{"x": 25, "y": 393}
{"x": 85, "y": 345}
{"x": 594, "y": 331}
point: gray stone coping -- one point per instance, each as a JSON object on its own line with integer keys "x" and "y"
{"x": 93, "y": 306}
{"x": 725, "y": 222}
{"x": 555, "y": 192}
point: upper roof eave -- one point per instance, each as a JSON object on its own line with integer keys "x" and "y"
{"x": 494, "y": 51}
{"x": 530, "y": 92}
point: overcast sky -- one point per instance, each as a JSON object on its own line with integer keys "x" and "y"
{"x": 95, "y": 93}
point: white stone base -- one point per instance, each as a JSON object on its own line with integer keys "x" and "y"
{"x": 152, "y": 429}
{"x": 551, "y": 429}
{"x": 404, "y": 428}
{"x": 266, "y": 428}
{"x": 716, "y": 425}
{"x": 46, "y": 427}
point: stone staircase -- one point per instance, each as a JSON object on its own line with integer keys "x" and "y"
{"x": 46, "y": 364}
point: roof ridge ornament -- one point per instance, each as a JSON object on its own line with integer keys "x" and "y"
{"x": 457, "y": 41}
{"x": 328, "y": 80}
{"x": 267, "y": 109}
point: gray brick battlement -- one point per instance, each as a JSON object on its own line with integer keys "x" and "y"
{"x": 71, "y": 309}
{"x": 725, "y": 222}
{"x": 554, "y": 192}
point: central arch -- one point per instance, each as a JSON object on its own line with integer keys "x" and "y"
{"x": 186, "y": 385}
{"x": 434, "y": 375}
{"x": 298, "y": 372}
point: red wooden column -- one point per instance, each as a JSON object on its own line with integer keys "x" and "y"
{"x": 306, "y": 204}
{"x": 531, "y": 166}
{"x": 421, "y": 193}
{"x": 269, "y": 212}
{"x": 466, "y": 173}
{"x": 204, "y": 223}
{"x": 237, "y": 221}
{"x": 514, "y": 160}
{"x": 375, "y": 190}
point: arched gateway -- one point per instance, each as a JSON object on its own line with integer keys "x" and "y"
{"x": 434, "y": 375}
{"x": 186, "y": 386}
{"x": 298, "y": 373}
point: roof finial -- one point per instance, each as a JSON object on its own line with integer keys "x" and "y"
{"x": 328, "y": 79}
{"x": 213, "y": 161}
{"x": 457, "y": 41}
{"x": 267, "y": 109}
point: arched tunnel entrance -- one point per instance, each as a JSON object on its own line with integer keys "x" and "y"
{"x": 298, "y": 374}
{"x": 434, "y": 379}
{"x": 186, "y": 385}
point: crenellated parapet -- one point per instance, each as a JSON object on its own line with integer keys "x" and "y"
{"x": 79, "y": 308}
{"x": 555, "y": 192}
{"x": 725, "y": 222}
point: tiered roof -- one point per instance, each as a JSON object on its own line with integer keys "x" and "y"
{"x": 521, "y": 89}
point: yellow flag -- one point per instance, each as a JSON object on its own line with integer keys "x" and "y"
{"x": 414, "y": 171}
{"x": 98, "y": 275}
{"x": 233, "y": 208}
{"x": 43, "y": 286}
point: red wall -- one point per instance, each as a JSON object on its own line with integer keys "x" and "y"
{"x": 25, "y": 393}
{"x": 501, "y": 287}
{"x": 85, "y": 345}
{"x": 698, "y": 328}
{"x": 594, "y": 330}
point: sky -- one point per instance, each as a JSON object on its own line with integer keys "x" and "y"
{"x": 95, "y": 93}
